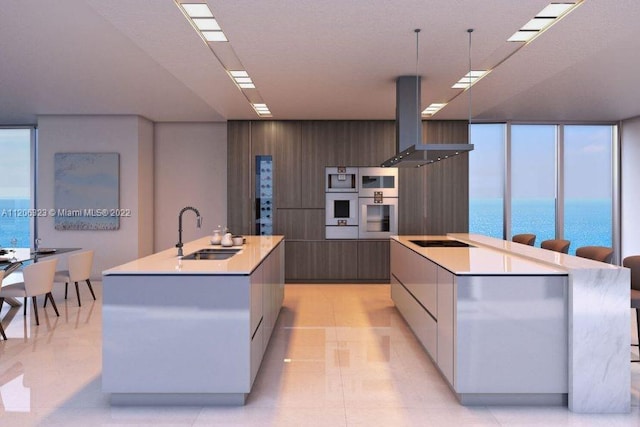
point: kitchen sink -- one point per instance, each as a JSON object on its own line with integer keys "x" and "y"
{"x": 441, "y": 244}
{"x": 212, "y": 254}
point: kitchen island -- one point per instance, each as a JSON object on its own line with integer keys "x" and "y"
{"x": 190, "y": 331}
{"x": 511, "y": 324}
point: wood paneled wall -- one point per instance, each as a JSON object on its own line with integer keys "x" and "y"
{"x": 432, "y": 200}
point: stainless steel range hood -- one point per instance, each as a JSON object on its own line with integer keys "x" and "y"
{"x": 410, "y": 150}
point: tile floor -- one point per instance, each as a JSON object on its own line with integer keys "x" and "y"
{"x": 341, "y": 355}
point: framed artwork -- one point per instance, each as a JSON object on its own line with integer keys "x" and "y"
{"x": 87, "y": 191}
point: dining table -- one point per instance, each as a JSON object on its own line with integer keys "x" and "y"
{"x": 12, "y": 259}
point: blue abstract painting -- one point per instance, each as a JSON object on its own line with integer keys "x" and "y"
{"x": 87, "y": 191}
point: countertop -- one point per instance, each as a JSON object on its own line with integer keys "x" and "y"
{"x": 167, "y": 262}
{"x": 537, "y": 254}
{"x": 482, "y": 259}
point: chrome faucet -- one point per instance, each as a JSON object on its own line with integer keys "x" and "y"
{"x": 198, "y": 223}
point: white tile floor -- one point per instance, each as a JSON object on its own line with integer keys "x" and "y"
{"x": 341, "y": 355}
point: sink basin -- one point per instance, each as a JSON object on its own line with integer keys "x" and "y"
{"x": 212, "y": 254}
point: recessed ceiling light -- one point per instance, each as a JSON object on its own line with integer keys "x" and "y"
{"x": 433, "y": 108}
{"x": 543, "y": 20}
{"x": 214, "y": 36}
{"x": 201, "y": 18}
{"x": 261, "y": 109}
{"x": 470, "y": 79}
{"x": 206, "y": 24}
{"x": 197, "y": 10}
{"x": 555, "y": 9}
{"x": 537, "y": 24}
{"x": 522, "y": 36}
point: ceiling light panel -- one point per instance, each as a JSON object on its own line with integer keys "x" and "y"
{"x": 470, "y": 79}
{"x": 239, "y": 73}
{"x": 555, "y": 10}
{"x": 433, "y": 108}
{"x": 206, "y": 24}
{"x": 197, "y": 10}
{"x": 543, "y": 20}
{"x": 537, "y": 24}
{"x": 203, "y": 21}
{"x": 261, "y": 109}
{"x": 214, "y": 36}
{"x": 522, "y": 36}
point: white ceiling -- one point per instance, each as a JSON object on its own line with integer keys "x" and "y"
{"x": 329, "y": 59}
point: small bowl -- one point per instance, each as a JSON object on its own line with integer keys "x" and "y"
{"x": 237, "y": 240}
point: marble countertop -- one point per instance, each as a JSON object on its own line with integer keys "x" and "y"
{"x": 482, "y": 259}
{"x": 533, "y": 253}
{"x": 244, "y": 262}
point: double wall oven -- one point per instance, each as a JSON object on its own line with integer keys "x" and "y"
{"x": 361, "y": 203}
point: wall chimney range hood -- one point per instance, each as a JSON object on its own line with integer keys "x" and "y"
{"x": 410, "y": 151}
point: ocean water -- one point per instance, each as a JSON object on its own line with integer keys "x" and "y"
{"x": 13, "y": 226}
{"x": 587, "y": 222}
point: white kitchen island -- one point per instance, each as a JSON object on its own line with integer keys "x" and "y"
{"x": 511, "y": 324}
{"x": 190, "y": 332}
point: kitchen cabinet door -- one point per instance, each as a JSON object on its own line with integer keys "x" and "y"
{"x": 373, "y": 260}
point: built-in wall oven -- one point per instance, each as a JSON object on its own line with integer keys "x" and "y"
{"x": 341, "y": 179}
{"x": 341, "y": 211}
{"x": 372, "y": 180}
{"x": 341, "y": 202}
{"x": 361, "y": 203}
{"x": 378, "y": 217}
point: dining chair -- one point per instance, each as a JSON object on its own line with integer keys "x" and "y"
{"x": 596, "y": 253}
{"x": 38, "y": 280}
{"x": 1, "y": 302}
{"x": 80, "y": 266}
{"x": 557, "y": 245}
{"x": 525, "y": 239}
{"x": 633, "y": 264}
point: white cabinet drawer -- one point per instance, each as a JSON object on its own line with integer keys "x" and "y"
{"x": 421, "y": 323}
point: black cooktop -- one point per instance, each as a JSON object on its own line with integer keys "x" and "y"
{"x": 441, "y": 244}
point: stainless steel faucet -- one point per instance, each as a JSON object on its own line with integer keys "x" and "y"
{"x": 198, "y": 223}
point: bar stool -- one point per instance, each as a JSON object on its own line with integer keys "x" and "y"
{"x": 525, "y": 239}
{"x": 633, "y": 264}
{"x": 596, "y": 253}
{"x": 557, "y": 245}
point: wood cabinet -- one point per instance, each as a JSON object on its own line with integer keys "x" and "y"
{"x": 321, "y": 261}
{"x": 432, "y": 200}
{"x": 373, "y": 260}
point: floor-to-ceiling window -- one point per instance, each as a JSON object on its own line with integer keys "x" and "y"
{"x": 15, "y": 187}
{"x": 556, "y": 180}
{"x": 533, "y": 180}
{"x": 588, "y": 183}
{"x": 486, "y": 172}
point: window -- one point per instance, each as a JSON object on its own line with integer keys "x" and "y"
{"x": 533, "y": 180}
{"x": 569, "y": 197}
{"x": 15, "y": 187}
{"x": 588, "y": 183}
{"x": 486, "y": 172}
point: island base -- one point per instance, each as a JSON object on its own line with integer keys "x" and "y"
{"x": 513, "y": 399}
{"x": 178, "y": 399}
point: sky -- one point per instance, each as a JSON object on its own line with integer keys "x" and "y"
{"x": 15, "y": 163}
{"x": 587, "y": 152}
